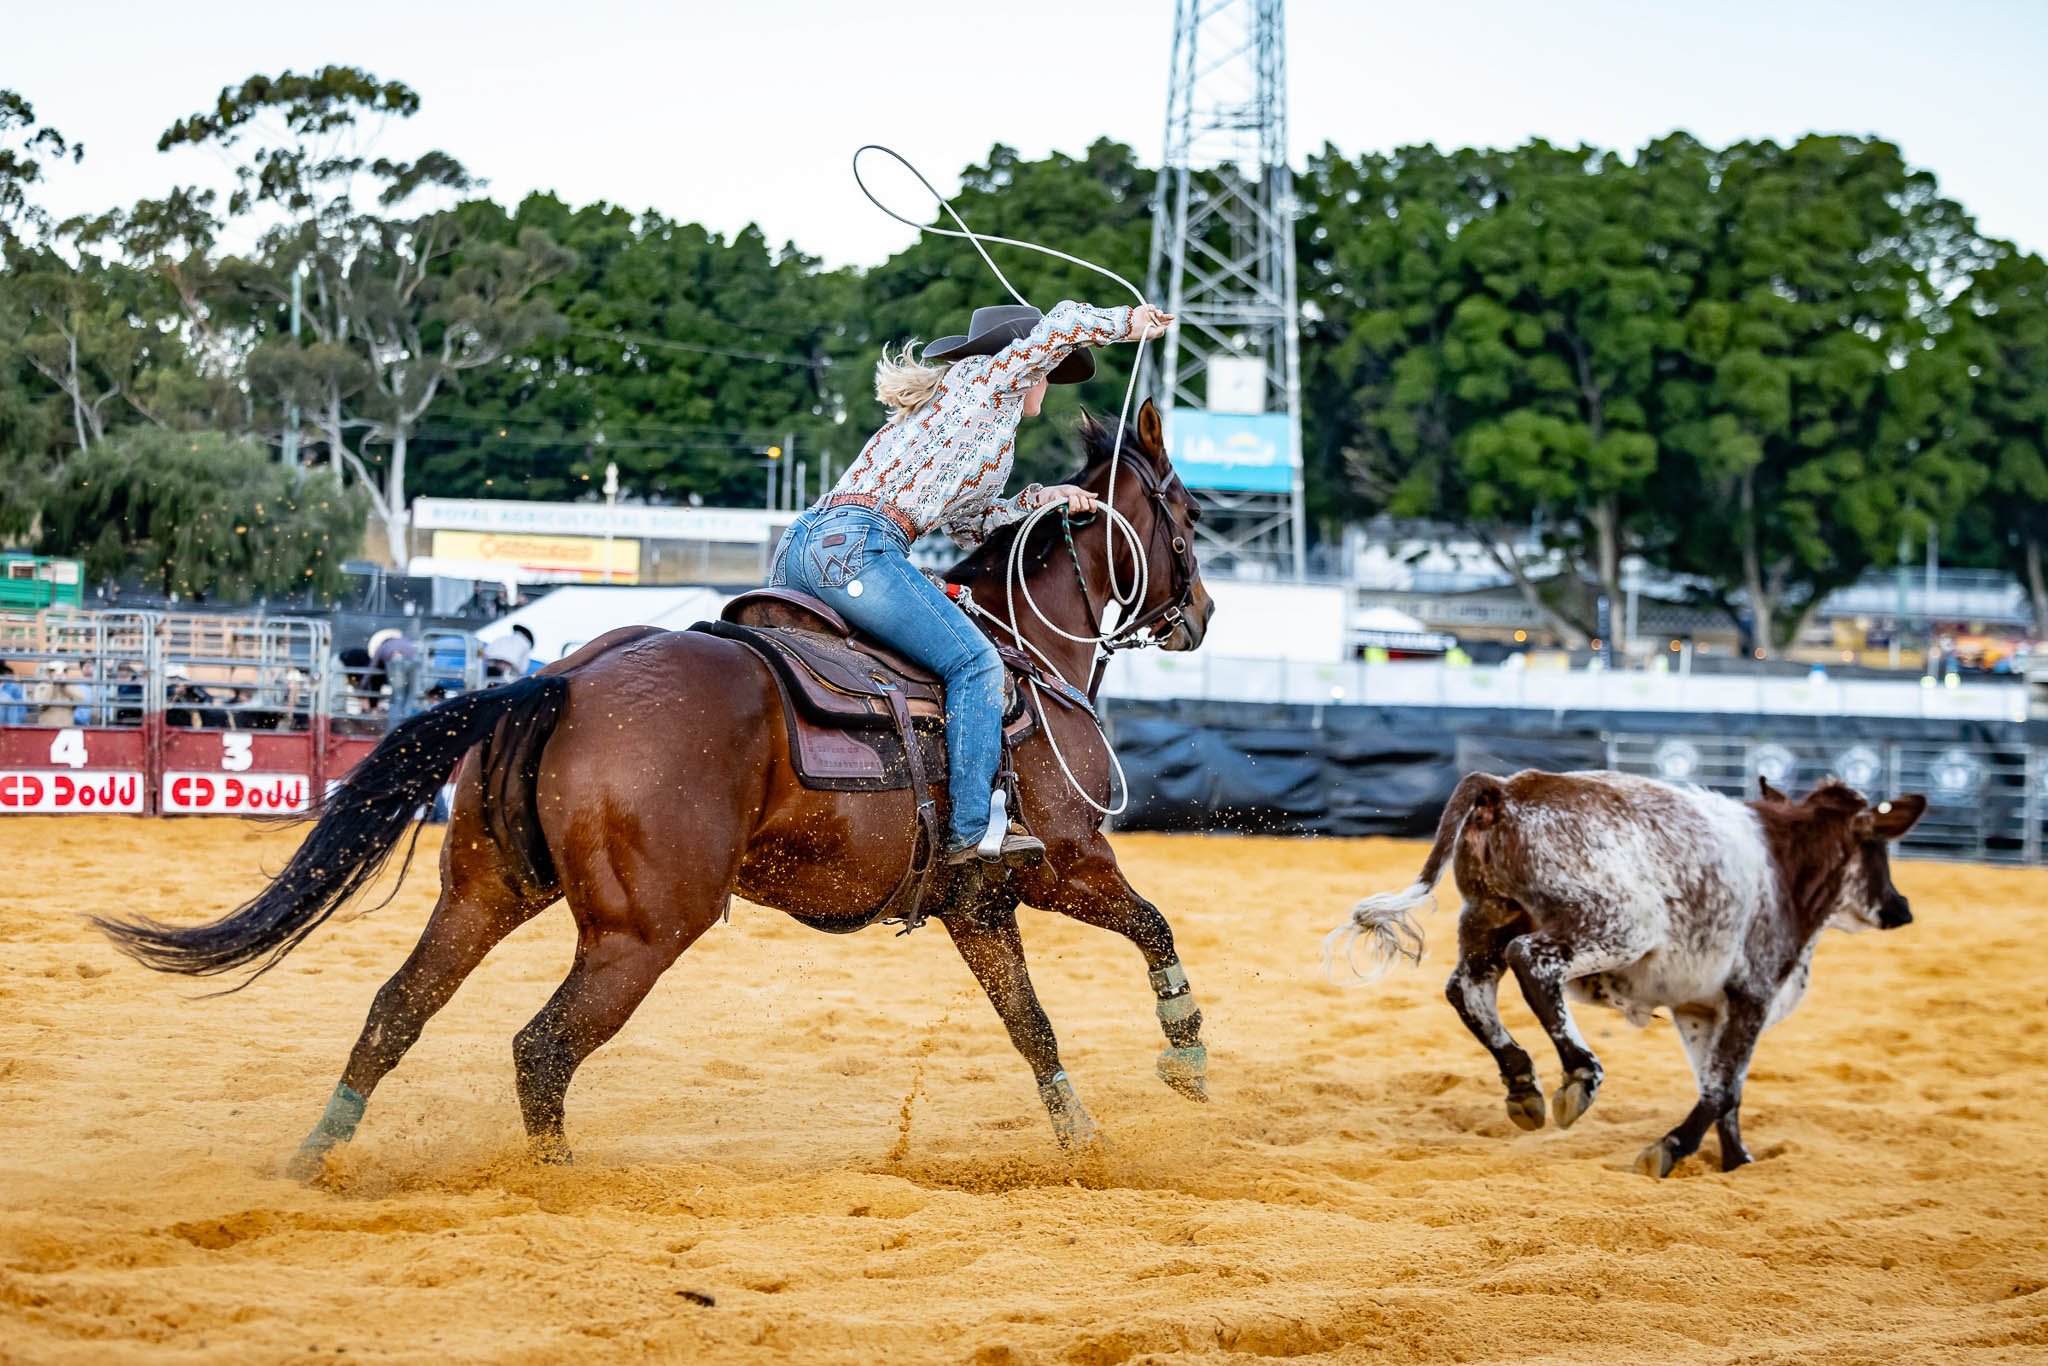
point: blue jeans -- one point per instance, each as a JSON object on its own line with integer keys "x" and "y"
{"x": 858, "y": 561}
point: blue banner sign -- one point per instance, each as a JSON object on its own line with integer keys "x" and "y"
{"x": 1244, "y": 452}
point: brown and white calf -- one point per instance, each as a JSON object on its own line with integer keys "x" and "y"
{"x": 1631, "y": 893}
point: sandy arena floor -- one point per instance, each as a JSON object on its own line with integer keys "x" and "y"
{"x": 823, "y": 1149}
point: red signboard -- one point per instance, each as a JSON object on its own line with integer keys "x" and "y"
{"x": 228, "y": 794}
{"x": 64, "y": 791}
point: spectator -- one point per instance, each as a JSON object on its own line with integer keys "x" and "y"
{"x": 187, "y": 706}
{"x": 510, "y": 655}
{"x": 395, "y": 664}
{"x": 127, "y": 696}
{"x": 58, "y": 696}
{"x": 11, "y": 693}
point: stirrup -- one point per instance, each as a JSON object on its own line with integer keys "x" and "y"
{"x": 1018, "y": 850}
{"x": 991, "y": 846}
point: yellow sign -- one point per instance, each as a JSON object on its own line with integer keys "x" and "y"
{"x": 579, "y": 555}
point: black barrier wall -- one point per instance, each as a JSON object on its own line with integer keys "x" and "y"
{"x": 1294, "y": 769}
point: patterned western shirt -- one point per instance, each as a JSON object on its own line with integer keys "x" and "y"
{"x": 944, "y": 466}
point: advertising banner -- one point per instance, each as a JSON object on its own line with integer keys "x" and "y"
{"x": 582, "y": 555}
{"x": 28, "y": 791}
{"x": 1241, "y": 452}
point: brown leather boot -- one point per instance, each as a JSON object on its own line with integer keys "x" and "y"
{"x": 1020, "y": 850}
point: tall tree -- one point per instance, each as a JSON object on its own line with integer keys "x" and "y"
{"x": 24, "y": 147}
{"x": 400, "y": 302}
{"x": 2001, "y": 416}
{"x": 1406, "y": 356}
{"x": 201, "y": 513}
{"x": 1822, "y": 277}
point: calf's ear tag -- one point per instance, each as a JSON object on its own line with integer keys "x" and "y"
{"x": 854, "y": 588}
{"x": 1884, "y": 808}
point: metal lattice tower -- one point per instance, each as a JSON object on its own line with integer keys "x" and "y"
{"x": 1223, "y": 262}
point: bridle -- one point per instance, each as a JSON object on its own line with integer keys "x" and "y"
{"x": 1153, "y": 625}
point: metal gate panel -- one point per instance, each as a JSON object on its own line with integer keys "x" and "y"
{"x": 1984, "y": 802}
{"x": 75, "y": 729}
{"x": 241, "y": 699}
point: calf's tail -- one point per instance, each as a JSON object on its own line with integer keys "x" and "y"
{"x": 1386, "y": 920}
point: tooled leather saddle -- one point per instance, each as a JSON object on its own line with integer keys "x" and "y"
{"x": 840, "y": 695}
{"x": 862, "y": 718}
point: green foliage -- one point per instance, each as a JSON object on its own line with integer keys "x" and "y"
{"x": 678, "y": 355}
{"x": 1721, "y": 360}
{"x": 23, "y": 146}
{"x": 1998, "y": 417}
{"x": 201, "y": 513}
{"x": 313, "y": 125}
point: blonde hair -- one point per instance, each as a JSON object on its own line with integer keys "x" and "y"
{"x": 904, "y": 382}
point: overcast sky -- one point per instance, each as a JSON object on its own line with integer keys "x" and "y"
{"x": 729, "y": 112}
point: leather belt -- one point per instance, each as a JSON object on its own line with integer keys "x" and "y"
{"x": 874, "y": 504}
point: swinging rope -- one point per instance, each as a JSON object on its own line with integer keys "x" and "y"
{"x": 1116, "y": 523}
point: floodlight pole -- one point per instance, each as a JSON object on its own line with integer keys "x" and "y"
{"x": 1223, "y": 259}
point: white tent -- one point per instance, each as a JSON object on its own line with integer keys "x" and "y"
{"x": 568, "y": 617}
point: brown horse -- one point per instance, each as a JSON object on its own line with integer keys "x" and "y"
{"x": 647, "y": 778}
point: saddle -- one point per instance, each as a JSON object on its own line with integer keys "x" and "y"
{"x": 862, "y": 718}
{"x": 840, "y": 692}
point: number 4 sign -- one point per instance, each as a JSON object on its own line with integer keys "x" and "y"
{"x": 69, "y": 748}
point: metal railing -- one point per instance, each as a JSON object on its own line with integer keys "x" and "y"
{"x": 63, "y": 668}
{"x": 138, "y": 711}
{"x": 1984, "y": 802}
{"x": 241, "y": 673}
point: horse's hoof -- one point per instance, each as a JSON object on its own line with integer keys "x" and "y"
{"x": 1574, "y": 1098}
{"x": 1076, "y": 1132}
{"x": 307, "y": 1163}
{"x": 549, "y": 1152}
{"x": 1656, "y": 1160}
{"x": 1186, "y": 1070}
{"x": 1525, "y": 1108}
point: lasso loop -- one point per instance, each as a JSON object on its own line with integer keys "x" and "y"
{"x": 1117, "y": 523}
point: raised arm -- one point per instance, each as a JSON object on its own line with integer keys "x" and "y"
{"x": 1059, "y": 333}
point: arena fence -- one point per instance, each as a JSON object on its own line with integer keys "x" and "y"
{"x": 162, "y": 714}
{"x": 1984, "y": 802}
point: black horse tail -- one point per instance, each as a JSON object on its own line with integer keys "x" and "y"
{"x": 362, "y": 823}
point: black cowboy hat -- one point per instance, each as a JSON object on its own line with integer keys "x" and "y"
{"x": 992, "y": 329}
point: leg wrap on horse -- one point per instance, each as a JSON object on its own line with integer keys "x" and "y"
{"x": 1071, "y": 1123}
{"x": 1185, "y": 1064}
{"x": 1170, "y": 980}
{"x": 337, "y": 1126}
{"x": 1179, "y": 1016}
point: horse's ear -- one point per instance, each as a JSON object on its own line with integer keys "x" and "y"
{"x": 1766, "y": 792}
{"x": 1152, "y": 432}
